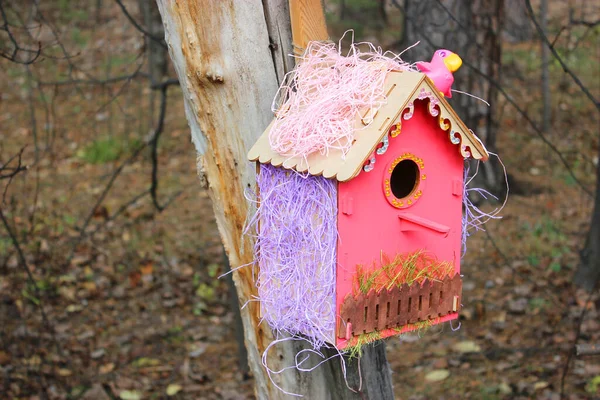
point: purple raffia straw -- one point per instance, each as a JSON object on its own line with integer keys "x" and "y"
{"x": 296, "y": 252}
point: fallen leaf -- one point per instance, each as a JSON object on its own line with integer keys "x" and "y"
{"x": 534, "y": 171}
{"x": 80, "y": 259}
{"x": 98, "y": 353}
{"x": 106, "y": 368}
{"x": 34, "y": 361}
{"x": 198, "y": 351}
{"x": 44, "y": 247}
{"x": 90, "y": 286}
{"x": 67, "y": 292}
{"x": 101, "y": 212}
{"x": 146, "y": 268}
{"x": 73, "y": 308}
{"x": 4, "y": 358}
{"x": 467, "y": 346}
{"x": 134, "y": 278}
{"x": 12, "y": 262}
{"x": 518, "y": 306}
{"x": 96, "y": 392}
{"x": 146, "y": 362}
{"x": 437, "y": 375}
{"x": 64, "y": 372}
{"x": 173, "y": 389}
{"x": 540, "y": 385}
{"x": 504, "y": 388}
{"x": 85, "y": 335}
{"x": 130, "y": 395}
{"x": 88, "y": 272}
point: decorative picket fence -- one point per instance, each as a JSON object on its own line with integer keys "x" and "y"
{"x": 399, "y": 306}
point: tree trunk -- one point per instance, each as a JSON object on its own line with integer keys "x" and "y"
{"x": 230, "y": 57}
{"x": 156, "y": 54}
{"x": 547, "y": 106}
{"x": 517, "y": 25}
{"x": 588, "y": 273}
{"x": 471, "y": 29}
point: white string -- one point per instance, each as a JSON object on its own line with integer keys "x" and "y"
{"x": 471, "y": 95}
{"x": 299, "y": 362}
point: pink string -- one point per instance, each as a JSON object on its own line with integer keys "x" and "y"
{"x": 318, "y": 101}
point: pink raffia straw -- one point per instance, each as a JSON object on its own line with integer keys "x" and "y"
{"x": 318, "y": 101}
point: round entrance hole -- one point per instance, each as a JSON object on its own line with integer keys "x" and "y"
{"x": 404, "y": 178}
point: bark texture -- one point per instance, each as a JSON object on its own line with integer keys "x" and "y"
{"x": 588, "y": 274}
{"x": 156, "y": 53}
{"x": 230, "y": 57}
{"x": 517, "y": 25}
{"x": 547, "y": 105}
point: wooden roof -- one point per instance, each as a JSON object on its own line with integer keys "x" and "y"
{"x": 402, "y": 89}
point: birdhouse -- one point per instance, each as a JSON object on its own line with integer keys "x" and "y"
{"x": 365, "y": 243}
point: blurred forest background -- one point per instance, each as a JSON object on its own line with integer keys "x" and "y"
{"x": 109, "y": 253}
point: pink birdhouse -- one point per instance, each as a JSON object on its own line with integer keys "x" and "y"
{"x": 385, "y": 217}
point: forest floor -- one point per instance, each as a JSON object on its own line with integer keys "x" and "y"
{"x": 133, "y": 300}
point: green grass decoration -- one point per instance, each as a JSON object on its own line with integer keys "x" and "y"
{"x": 420, "y": 326}
{"x": 402, "y": 269}
{"x": 408, "y": 269}
{"x": 354, "y": 349}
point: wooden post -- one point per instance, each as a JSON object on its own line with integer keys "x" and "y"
{"x": 230, "y": 57}
{"x": 308, "y": 23}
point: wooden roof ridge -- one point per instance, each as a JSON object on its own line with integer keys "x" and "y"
{"x": 402, "y": 88}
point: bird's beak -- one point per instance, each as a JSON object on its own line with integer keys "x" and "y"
{"x": 453, "y": 62}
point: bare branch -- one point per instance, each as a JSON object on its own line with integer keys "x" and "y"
{"x": 94, "y": 81}
{"x": 137, "y": 26}
{"x": 14, "y": 54}
{"x": 558, "y": 58}
{"x": 120, "y": 211}
{"x": 528, "y": 278}
{"x": 573, "y": 21}
{"x": 163, "y": 87}
{"x": 31, "y": 279}
{"x": 589, "y": 24}
{"x": 9, "y": 172}
{"x": 102, "y": 196}
{"x": 168, "y": 82}
{"x": 153, "y": 141}
{"x": 501, "y": 90}
{"x": 537, "y": 130}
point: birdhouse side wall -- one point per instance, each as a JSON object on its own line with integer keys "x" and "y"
{"x": 296, "y": 252}
{"x": 374, "y": 223}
